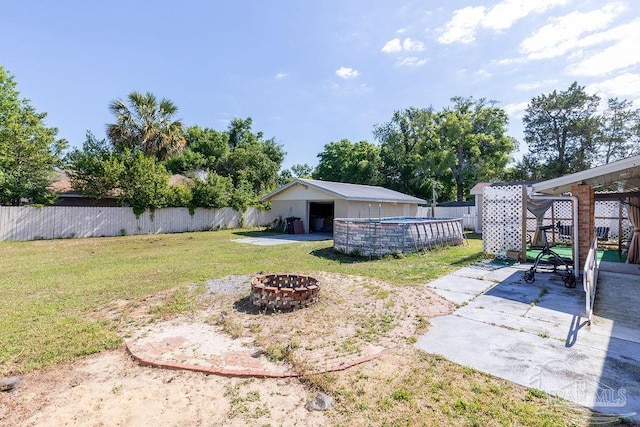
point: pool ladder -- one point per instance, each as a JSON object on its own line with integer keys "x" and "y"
{"x": 438, "y": 235}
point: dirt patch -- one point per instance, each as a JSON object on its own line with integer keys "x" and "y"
{"x": 354, "y": 316}
{"x": 110, "y": 389}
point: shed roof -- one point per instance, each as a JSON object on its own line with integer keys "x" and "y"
{"x": 352, "y": 192}
{"x": 479, "y": 187}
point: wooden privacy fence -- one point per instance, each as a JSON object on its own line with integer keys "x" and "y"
{"x": 59, "y": 222}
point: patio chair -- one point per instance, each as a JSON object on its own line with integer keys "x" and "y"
{"x": 565, "y": 232}
{"x": 602, "y": 233}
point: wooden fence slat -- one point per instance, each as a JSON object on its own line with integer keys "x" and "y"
{"x": 20, "y": 223}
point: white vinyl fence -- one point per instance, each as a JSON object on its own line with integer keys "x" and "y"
{"x": 59, "y": 222}
{"x": 469, "y": 214}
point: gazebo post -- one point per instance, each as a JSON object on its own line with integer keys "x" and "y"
{"x": 586, "y": 225}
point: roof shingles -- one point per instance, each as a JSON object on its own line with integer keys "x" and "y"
{"x": 353, "y": 192}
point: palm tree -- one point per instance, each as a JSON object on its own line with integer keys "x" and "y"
{"x": 147, "y": 124}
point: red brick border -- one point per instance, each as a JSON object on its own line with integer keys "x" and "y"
{"x": 249, "y": 372}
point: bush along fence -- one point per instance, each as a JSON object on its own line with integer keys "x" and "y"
{"x": 63, "y": 222}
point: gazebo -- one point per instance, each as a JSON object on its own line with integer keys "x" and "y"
{"x": 569, "y": 202}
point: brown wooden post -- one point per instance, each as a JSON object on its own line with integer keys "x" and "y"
{"x": 586, "y": 220}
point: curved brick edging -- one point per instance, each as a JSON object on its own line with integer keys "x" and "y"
{"x": 249, "y": 372}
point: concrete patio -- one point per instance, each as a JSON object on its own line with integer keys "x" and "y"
{"x": 283, "y": 239}
{"x": 537, "y": 335}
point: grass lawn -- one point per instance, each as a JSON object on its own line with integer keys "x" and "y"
{"x": 609, "y": 255}
{"x": 61, "y": 299}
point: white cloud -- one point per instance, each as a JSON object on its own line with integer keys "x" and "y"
{"x": 462, "y": 26}
{"x": 626, "y": 86}
{"x": 347, "y": 73}
{"x": 407, "y": 45}
{"x": 396, "y": 45}
{"x": 411, "y": 61}
{"x": 536, "y": 85}
{"x": 401, "y": 31}
{"x": 412, "y": 45}
{"x": 623, "y": 51}
{"x": 392, "y": 46}
{"x": 465, "y": 22}
{"x": 516, "y": 110}
{"x": 505, "y": 14}
{"x": 510, "y": 61}
{"x": 280, "y": 76}
{"x": 483, "y": 74}
{"x": 565, "y": 33}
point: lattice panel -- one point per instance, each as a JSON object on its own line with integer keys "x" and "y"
{"x": 607, "y": 214}
{"x": 502, "y": 219}
{"x": 561, "y": 216}
{"x": 560, "y": 211}
{"x": 613, "y": 214}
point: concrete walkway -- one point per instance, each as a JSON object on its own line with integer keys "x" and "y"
{"x": 283, "y": 239}
{"x": 536, "y": 334}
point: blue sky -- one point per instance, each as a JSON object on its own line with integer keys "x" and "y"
{"x": 312, "y": 72}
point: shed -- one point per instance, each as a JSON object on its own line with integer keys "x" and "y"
{"x": 318, "y": 202}
{"x": 477, "y": 192}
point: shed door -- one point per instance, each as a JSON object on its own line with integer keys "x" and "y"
{"x": 321, "y": 217}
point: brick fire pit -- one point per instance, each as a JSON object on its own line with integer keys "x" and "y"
{"x": 277, "y": 291}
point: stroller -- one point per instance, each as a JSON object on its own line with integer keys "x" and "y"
{"x": 549, "y": 257}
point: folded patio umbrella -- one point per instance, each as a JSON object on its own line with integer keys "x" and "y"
{"x": 538, "y": 209}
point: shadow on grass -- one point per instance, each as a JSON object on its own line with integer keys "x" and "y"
{"x": 470, "y": 235}
{"x": 468, "y": 260}
{"x": 333, "y": 255}
{"x": 257, "y": 233}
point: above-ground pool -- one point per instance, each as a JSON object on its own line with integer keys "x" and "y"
{"x": 380, "y": 236}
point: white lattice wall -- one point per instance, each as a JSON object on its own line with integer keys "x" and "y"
{"x": 502, "y": 219}
{"x": 607, "y": 214}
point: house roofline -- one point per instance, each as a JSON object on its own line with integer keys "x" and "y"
{"x": 560, "y": 184}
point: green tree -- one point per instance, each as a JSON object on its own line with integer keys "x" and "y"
{"x": 144, "y": 182}
{"x": 29, "y": 150}
{"x": 96, "y": 169}
{"x": 214, "y": 192}
{"x": 528, "y": 168}
{"x": 472, "y": 143}
{"x": 344, "y": 161}
{"x": 179, "y": 196}
{"x": 403, "y": 143}
{"x": 452, "y": 148}
{"x": 242, "y": 197}
{"x": 205, "y": 149}
{"x": 140, "y": 181}
{"x": 619, "y": 131}
{"x": 302, "y": 170}
{"x": 252, "y": 160}
{"x": 185, "y": 162}
{"x": 560, "y": 129}
{"x": 146, "y": 123}
{"x": 284, "y": 177}
{"x": 296, "y": 171}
